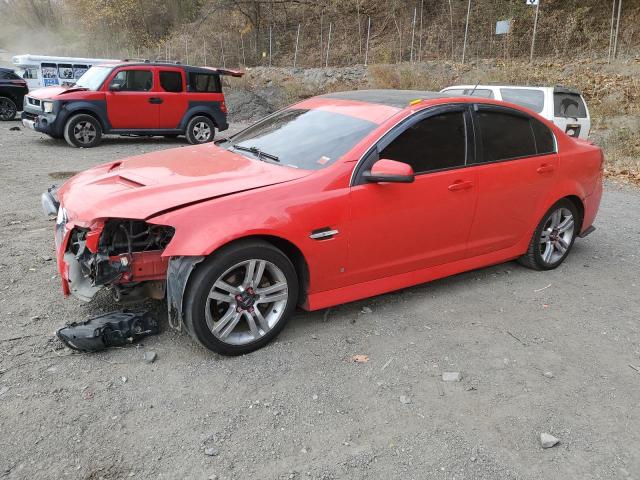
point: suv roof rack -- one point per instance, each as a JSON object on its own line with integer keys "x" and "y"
{"x": 145, "y": 60}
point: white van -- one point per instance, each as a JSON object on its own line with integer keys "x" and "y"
{"x": 45, "y": 71}
{"x": 563, "y": 106}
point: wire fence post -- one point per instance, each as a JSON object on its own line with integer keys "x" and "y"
{"x": 328, "y": 46}
{"x": 421, "y": 33}
{"x": 186, "y": 50}
{"x": 613, "y": 22}
{"x": 204, "y": 51}
{"x": 224, "y": 64}
{"x": 295, "y": 55}
{"x": 366, "y": 51}
{"x": 244, "y": 61}
{"x": 615, "y": 41}
{"x": 535, "y": 28}
{"x": 466, "y": 30}
{"x": 413, "y": 34}
{"x": 270, "y": 44}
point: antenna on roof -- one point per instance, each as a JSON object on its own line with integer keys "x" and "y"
{"x": 474, "y": 89}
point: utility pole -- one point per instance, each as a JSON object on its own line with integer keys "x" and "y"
{"x": 535, "y": 28}
{"x": 366, "y": 51}
{"x": 413, "y": 34}
{"x": 295, "y": 55}
{"x": 466, "y": 30}
{"x": 615, "y": 42}
{"x": 420, "y": 39}
{"x": 270, "y": 45}
{"x": 328, "y": 46}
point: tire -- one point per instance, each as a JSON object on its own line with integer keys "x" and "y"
{"x": 200, "y": 130}
{"x": 83, "y": 130}
{"x": 230, "y": 314}
{"x": 8, "y": 109}
{"x": 559, "y": 227}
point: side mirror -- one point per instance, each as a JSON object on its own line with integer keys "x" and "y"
{"x": 115, "y": 87}
{"x": 390, "y": 171}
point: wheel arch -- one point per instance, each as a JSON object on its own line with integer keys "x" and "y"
{"x": 86, "y": 111}
{"x": 579, "y": 204}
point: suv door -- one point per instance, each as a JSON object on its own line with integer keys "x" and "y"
{"x": 130, "y": 99}
{"x": 173, "y": 100}
{"x": 517, "y": 164}
{"x": 401, "y": 227}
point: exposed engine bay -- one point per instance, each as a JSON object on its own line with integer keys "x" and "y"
{"x": 123, "y": 254}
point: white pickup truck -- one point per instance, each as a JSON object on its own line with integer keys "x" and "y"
{"x": 563, "y": 106}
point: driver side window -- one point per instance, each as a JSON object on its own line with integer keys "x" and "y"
{"x": 133, "y": 80}
{"x": 435, "y": 143}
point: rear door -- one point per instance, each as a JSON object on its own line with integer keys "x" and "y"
{"x": 130, "y": 99}
{"x": 171, "y": 94}
{"x": 402, "y": 227}
{"x": 516, "y": 166}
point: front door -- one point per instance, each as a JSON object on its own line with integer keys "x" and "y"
{"x": 397, "y": 228}
{"x": 131, "y": 103}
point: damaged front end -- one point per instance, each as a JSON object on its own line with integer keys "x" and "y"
{"x": 123, "y": 254}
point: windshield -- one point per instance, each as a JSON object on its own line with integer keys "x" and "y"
{"x": 93, "y": 78}
{"x": 307, "y": 139}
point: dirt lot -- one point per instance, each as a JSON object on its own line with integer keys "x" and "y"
{"x": 297, "y": 409}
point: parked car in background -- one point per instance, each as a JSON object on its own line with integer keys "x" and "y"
{"x": 563, "y": 106}
{"x": 12, "y": 92}
{"x": 132, "y": 98}
{"x": 47, "y": 71}
{"x": 333, "y": 199}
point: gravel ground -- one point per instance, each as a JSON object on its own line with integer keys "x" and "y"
{"x": 298, "y": 408}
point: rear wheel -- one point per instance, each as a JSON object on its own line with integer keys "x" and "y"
{"x": 8, "y": 109}
{"x": 83, "y": 130}
{"x": 553, "y": 238}
{"x": 240, "y": 298}
{"x": 200, "y": 130}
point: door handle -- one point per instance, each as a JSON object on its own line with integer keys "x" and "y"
{"x": 155, "y": 100}
{"x": 460, "y": 185}
{"x": 545, "y": 168}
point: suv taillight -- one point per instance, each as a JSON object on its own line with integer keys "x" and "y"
{"x": 223, "y": 107}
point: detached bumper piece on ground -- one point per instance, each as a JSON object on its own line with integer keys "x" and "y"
{"x": 114, "y": 329}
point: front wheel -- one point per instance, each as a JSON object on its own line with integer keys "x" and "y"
{"x": 553, "y": 237}
{"x": 240, "y": 298}
{"x": 200, "y": 130}
{"x": 83, "y": 131}
{"x": 8, "y": 109}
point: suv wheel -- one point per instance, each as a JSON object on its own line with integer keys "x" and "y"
{"x": 240, "y": 298}
{"x": 83, "y": 130}
{"x": 200, "y": 130}
{"x": 553, "y": 238}
{"x": 8, "y": 109}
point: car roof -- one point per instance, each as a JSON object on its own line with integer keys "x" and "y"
{"x": 3, "y": 69}
{"x": 187, "y": 68}
{"x": 390, "y": 98}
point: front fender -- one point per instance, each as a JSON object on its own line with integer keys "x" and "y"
{"x": 96, "y": 107}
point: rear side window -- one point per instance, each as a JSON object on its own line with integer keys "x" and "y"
{"x": 171, "y": 81}
{"x": 529, "y": 98}
{"x": 505, "y": 136}
{"x": 543, "y": 137}
{"x": 204, "y": 83}
{"x": 434, "y": 143}
{"x": 133, "y": 80}
{"x": 478, "y": 92}
{"x": 569, "y": 105}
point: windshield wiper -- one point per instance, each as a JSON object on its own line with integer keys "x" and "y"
{"x": 256, "y": 151}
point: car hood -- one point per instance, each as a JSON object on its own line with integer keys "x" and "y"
{"x": 48, "y": 93}
{"x": 142, "y": 186}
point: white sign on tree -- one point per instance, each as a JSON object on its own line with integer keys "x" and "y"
{"x": 533, "y": 3}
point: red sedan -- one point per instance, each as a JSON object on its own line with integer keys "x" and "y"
{"x": 334, "y": 199}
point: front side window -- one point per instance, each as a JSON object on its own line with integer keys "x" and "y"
{"x": 171, "y": 81}
{"x": 204, "y": 83}
{"x": 133, "y": 80}
{"x": 435, "y": 143}
{"x": 526, "y": 97}
{"x": 505, "y": 136}
{"x": 307, "y": 139}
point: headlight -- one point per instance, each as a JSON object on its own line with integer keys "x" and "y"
{"x": 47, "y": 107}
{"x": 62, "y": 216}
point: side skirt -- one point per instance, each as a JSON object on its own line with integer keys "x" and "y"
{"x": 351, "y": 293}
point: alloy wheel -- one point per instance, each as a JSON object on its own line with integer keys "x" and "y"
{"x": 84, "y": 132}
{"x": 246, "y": 302}
{"x": 201, "y": 132}
{"x": 557, "y": 235}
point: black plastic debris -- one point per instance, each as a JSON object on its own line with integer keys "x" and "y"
{"x": 14, "y": 129}
{"x": 114, "y": 329}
